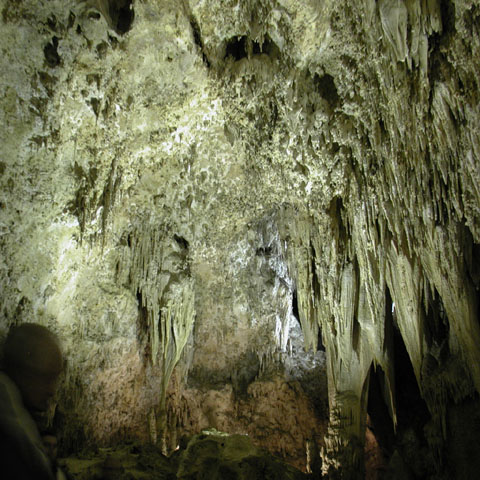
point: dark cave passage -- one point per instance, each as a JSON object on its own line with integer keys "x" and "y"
{"x": 402, "y": 448}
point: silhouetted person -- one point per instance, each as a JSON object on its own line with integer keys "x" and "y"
{"x": 32, "y": 364}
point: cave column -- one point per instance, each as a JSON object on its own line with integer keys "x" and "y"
{"x": 343, "y": 456}
{"x": 348, "y": 374}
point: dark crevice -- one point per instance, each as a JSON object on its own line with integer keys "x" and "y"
{"x": 122, "y": 15}
{"x": 264, "y": 251}
{"x": 389, "y": 323}
{"x": 94, "y": 15}
{"x": 335, "y": 212}
{"x": 381, "y": 124}
{"x": 410, "y": 442}
{"x": 109, "y": 193}
{"x": 95, "y": 104}
{"x": 71, "y": 20}
{"x": 295, "y": 311}
{"x": 436, "y": 322}
{"x": 440, "y": 68}
{"x": 52, "y": 23}
{"x": 412, "y": 411}
{"x": 325, "y": 87}
{"x": 447, "y": 11}
{"x": 313, "y": 268}
{"x": 102, "y": 49}
{"x": 118, "y": 13}
{"x": 113, "y": 41}
{"x": 51, "y": 54}
{"x": 471, "y": 257}
{"x": 257, "y": 48}
{"x": 84, "y": 198}
{"x": 356, "y": 324}
{"x": 197, "y": 38}
{"x": 142, "y": 321}
{"x": 23, "y": 305}
{"x": 126, "y": 240}
{"x": 243, "y": 47}
{"x": 237, "y": 48}
{"x": 182, "y": 242}
{"x": 320, "y": 345}
{"x": 316, "y": 291}
{"x": 380, "y": 419}
{"x": 267, "y": 47}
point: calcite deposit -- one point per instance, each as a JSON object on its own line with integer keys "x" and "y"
{"x": 214, "y": 202}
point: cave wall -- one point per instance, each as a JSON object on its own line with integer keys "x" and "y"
{"x": 179, "y": 180}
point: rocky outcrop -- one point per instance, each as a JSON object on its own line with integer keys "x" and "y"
{"x": 277, "y": 415}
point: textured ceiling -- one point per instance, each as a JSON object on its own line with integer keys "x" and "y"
{"x": 189, "y": 173}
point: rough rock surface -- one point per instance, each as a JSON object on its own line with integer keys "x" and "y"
{"x": 180, "y": 180}
{"x": 278, "y": 415}
{"x": 210, "y": 454}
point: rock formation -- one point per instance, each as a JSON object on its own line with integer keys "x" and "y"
{"x": 185, "y": 184}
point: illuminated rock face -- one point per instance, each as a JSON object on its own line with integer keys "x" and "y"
{"x": 180, "y": 180}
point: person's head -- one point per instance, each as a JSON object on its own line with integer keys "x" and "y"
{"x": 33, "y": 360}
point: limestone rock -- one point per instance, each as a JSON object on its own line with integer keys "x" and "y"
{"x": 217, "y": 456}
{"x": 183, "y": 182}
{"x": 210, "y": 454}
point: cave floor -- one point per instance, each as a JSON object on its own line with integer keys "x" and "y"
{"x": 210, "y": 454}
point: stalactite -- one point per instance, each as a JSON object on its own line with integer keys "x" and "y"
{"x": 301, "y": 261}
{"x": 155, "y": 270}
{"x": 177, "y": 320}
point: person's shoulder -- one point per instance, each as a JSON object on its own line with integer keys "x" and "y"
{"x": 12, "y": 410}
{"x": 8, "y": 388}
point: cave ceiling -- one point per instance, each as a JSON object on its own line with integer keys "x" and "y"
{"x": 178, "y": 177}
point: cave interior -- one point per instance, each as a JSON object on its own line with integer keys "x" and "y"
{"x": 254, "y": 226}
